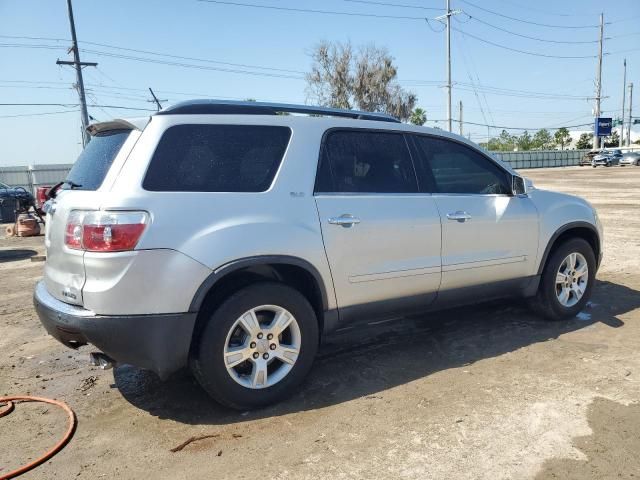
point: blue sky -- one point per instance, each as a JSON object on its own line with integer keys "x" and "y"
{"x": 281, "y": 40}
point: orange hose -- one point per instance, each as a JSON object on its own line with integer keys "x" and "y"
{"x": 56, "y": 448}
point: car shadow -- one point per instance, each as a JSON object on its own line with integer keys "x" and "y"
{"x": 367, "y": 358}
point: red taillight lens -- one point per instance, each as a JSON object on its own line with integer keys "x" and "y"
{"x": 108, "y": 231}
{"x": 73, "y": 230}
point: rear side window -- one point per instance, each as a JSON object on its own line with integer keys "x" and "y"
{"x": 95, "y": 160}
{"x": 361, "y": 161}
{"x": 217, "y": 158}
{"x": 456, "y": 168}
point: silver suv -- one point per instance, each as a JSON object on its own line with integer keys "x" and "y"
{"x": 230, "y": 237}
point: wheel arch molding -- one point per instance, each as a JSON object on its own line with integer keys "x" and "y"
{"x": 582, "y": 229}
{"x": 268, "y": 261}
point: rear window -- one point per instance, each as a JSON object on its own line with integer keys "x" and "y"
{"x": 217, "y": 158}
{"x": 95, "y": 160}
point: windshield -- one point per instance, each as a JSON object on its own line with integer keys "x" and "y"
{"x": 94, "y": 162}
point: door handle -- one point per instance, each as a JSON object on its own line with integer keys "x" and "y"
{"x": 346, "y": 220}
{"x": 459, "y": 216}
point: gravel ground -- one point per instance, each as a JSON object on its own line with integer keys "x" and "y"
{"x": 488, "y": 392}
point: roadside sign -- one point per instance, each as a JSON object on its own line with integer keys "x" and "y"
{"x": 603, "y": 126}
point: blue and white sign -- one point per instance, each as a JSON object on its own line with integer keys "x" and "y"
{"x": 603, "y": 126}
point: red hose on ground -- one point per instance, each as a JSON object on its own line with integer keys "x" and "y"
{"x": 56, "y": 448}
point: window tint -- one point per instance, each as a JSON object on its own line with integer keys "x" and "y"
{"x": 217, "y": 158}
{"x": 95, "y": 160}
{"x": 366, "y": 162}
{"x": 456, "y": 168}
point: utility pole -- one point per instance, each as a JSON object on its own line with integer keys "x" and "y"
{"x": 155, "y": 100}
{"x": 84, "y": 115}
{"x": 460, "y": 116}
{"x": 596, "y": 138}
{"x": 630, "y": 118}
{"x": 447, "y": 18}
{"x": 624, "y": 94}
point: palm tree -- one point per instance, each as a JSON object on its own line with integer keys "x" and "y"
{"x": 418, "y": 116}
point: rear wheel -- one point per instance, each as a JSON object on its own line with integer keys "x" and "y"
{"x": 257, "y": 347}
{"x": 567, "y": 281}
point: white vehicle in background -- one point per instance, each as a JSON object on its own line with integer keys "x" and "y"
{"x": 228, "y": 238}
{"x": 630, "y": 158}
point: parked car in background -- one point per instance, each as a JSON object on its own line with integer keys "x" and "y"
{"x": 587, "y": 158}
{"x": 607, "y": 158}
{"x": 630, "y": 158}
{"x": 229, "y": 238}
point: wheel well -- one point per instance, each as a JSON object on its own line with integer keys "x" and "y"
{"x": 586, "y": 233}
{"x": 292, "y": 275}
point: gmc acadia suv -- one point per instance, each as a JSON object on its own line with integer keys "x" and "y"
{"x": 228, "y": 237}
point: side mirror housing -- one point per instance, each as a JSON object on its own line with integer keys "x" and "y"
{"x": 518, "y": 185}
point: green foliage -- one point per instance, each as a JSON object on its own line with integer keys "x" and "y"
{"x": 524, "y": 141}
{"x": 562, "y": 137}
{"x": 418, "y": 116}
{"x": 613, "y": 140}
{"x": 542, "y": 140}
{"x": 585, "y": 142}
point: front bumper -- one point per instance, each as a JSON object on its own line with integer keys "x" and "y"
{"x": 157, "y": 342}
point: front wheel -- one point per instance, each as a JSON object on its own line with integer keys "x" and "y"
{"x": 257, "y": 347}
{"x": 567, "y": 281}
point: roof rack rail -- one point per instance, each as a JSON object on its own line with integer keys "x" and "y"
{"x": 226, "y": 107}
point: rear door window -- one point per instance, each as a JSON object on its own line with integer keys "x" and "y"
{"x": 362, "y": 161}
{"x": 94, "y": 162}
{"x": 217, "y": 158}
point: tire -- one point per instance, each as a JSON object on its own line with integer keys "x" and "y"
{"x": 233, "y": 387}
{"x": 547, "y": 302}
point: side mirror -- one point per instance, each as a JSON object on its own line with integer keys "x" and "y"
{"x": 518, "y": 186}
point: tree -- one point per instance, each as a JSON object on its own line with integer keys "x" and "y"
{"x": 562, "y": 137}
{"x": 585, "y": 142}
{"x": 418, "y": 116}
{"x": 342, "y": 77}
{"x": 542, "y": 140}
{"x": 506, "y": 141}
{"x": 613, "y": 140}
{"x": 524, "y": 141}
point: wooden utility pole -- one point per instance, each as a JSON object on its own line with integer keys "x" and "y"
{"x": 460, "y": 116}
{"x": 624, "y": 94}
{"x": 84, "y": 114}
{"x": 630, "y": 117}
{"x": 596, "y": 138}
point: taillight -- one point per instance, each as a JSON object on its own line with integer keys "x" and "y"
{"x": 73, "y": 230}
{"x": 105, "y": 231}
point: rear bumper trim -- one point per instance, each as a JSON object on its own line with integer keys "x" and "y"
{"x": 157, "y": 342}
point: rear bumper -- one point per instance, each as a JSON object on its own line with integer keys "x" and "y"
{"x": 157, "y": 342}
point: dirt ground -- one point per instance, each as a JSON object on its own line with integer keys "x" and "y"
{"x": 489, "y": 392}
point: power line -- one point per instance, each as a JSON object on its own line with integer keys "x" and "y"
{"x": 570, "y": 42}
{"x": 503, "y": 127}
{"x": 399, "y": 5}
{"x": 38, "y": 114}
{"x": 555, "y": 14}
{"x": 309, "y": 10}
{"x": 526, "y": 21}
{"x": 180, "y": 57}
{"x": 191, "y": 65}
{"x": 73, "y": 105}
{"x": 526, "y": 52}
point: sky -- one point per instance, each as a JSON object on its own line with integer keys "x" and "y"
{"x": 237, "y": 50}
